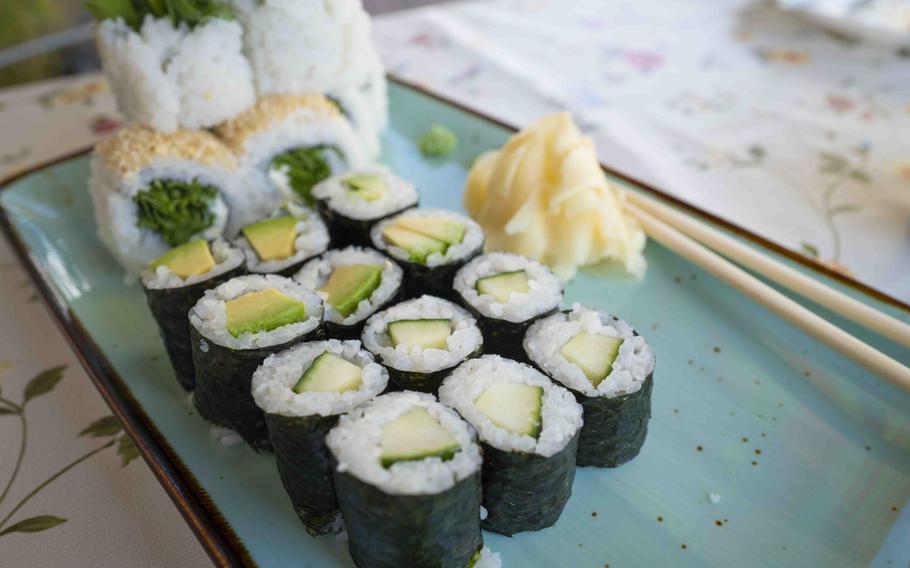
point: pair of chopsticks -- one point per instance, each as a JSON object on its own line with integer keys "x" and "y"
{"x": 703, "y": 245}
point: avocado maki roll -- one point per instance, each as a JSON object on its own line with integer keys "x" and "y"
{"x": 529, "y": 429}
{"x": 507, "y": 293}
{"x": 420, "y": 341}
{"x": 174, "y": 282}
{"x": 233, "y": 328}
{"x": 407, "y": 477}
{"x": 609, "y": 368}
{"x": 354, "y": 283}
{"x": 351, "y": 203}
{"x": 302, "y": 391}
{"x": 283, "y": 241}
{"x": 430, "y": 245}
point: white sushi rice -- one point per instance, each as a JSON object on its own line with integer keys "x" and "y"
{"x": 634, "y": 362}
{"x": 488, "y": 559}
{"x": 400, "y": 194}
{"x": 472, "y": 241}
{"x": 226, "y": 258}
{"x": 355, "y": 445}
{"x": 209, "y": 315}
{"x": 312, "y": 239}
{"x": 274, "y": 380}
{"x": 544, "y": 294}
{"x": 366, "y": 105}
{"x": 464, "y": 339}
{"x": 315, "y": 273}
{"x": 561, "y": 415}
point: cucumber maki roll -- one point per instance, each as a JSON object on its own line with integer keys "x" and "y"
{"x": 351, "y": 203}
{"x": 430, "y": 245}
{"x": 407, "y": 477}
{"x": 354, "y": 283}
{"x": 302, "y": 391}
{"x": 283, "y": 241}
{"x": 609, "y": 368}
{"x": 174, "y": 282}
{"x": 528, "y": 428}
{"x": 507, "y": 293}
{"x": 420, "y": 341}
{"x": 233, "y": 328}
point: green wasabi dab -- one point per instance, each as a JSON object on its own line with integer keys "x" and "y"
{"x": 438, "y": 142}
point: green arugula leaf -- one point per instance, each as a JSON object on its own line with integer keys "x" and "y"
{"x": 305, "y": 167}
{"x": 110, "y": 9}
{"x": 34, "y": 524}
{"x": 43, "y": 383}
{"x": 176, "y": 210}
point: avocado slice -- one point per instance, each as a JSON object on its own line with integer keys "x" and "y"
{"x": 415, "y": 436}
{"x": 514, "y": 407}
{"x": 350, "y": 284}
{"x": 368, "y": 187}
{"x": 190, "y": 259}
{"x": 449, "y": 231}
{"x": 502, "y": 285}
{"x": 263, "y": 310}
{"x": 425, "y": 333}
{"x": 593, "y": 353}
{"x": 418, "y": 246}
{"x": 330, "y": 373}
{"x": 273, "y": 239}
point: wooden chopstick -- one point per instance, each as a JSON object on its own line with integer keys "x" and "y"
{"x": 809, "y": 288}
{"x": 809, "y": 322}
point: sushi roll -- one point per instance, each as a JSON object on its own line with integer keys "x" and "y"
{"x": 430, "y": 245}
{"x": 354, "y": 283}
{"x": 153, "y": 191}
{"x": 283, "y": 241}
{"x": 529, "y": 429}
{"x": 407, "y": 476}
{"x": 353, "y": 202}
{"x": 174, "y": 282}
{"x": 302, "y": 391}
{"x": 420, "y": 341}
{"x": 507, "y": 293}
{"x": 609, "y": 368}
{"x": 233, "y": 328}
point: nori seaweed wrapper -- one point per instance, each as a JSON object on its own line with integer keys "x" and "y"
{"x": 170, "y": 308}
{"x": 524, "y": 491}
{"x": 345, "y": 231}
{"x": 420, "y": 279}
{"x": 424, "y": 382}
{"x": 224, "y": 385}
{"x": 414, "y": 531}
{"x": 501, "y": 337}
{"x": 305, "y": 468}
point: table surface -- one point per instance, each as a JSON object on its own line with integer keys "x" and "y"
{"x": 753, "y": 115}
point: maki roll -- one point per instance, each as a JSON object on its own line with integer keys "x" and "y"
{"x": 507, "y": 293}
{"x": 430, "y": 245}
{"x": 302, "y": 391}
{"x": 233, "y": 328}
{"x": 610, "y": 369}
{"x": 528, "y": 428}
{"x": 420, "y": 341}
{"x": 352, "y": 203}
{"x": 174, "y": 282}
{"x": 283, "y": 241}
{"x": 354, "y": 283}
{"x": 407, "y": 477}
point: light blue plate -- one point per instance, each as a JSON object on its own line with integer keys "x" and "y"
{"x": 806, "y": 454}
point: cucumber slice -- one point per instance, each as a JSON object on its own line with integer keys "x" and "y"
{"x": 426, "y": 333}
{"x": 593, "y": 353}
{"x": 330, "y": 373}
{"x": 502, "y": 285}
{"x": 449, "y": 231}
{"x": 418, "y": 246}
{"x": 415, "y": 436}
{"x": 514, "y": 407}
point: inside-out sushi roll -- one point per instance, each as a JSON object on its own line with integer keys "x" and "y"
{"x": 153, "y": 191}
{"x": 420, "y": 341}
{"x": 354, "y": 283}
{"x": 283, "y": 241}
{"x": 174, "y": 282}
{"x": 233, "y": 328}
{"x": 302, "y": 391}
{"x": 529, "y": 429}
{"x": 353, "y": 202}
{"x": 506, "y": 293}
{"x": 430, "y": 245}
{"x": 408, "y": 483}
{"x": 610, "y": 369}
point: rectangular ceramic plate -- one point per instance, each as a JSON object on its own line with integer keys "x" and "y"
{"x": 806, "y": 454}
